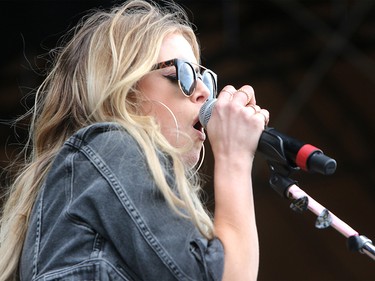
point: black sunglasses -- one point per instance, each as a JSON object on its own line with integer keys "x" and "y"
{"x": 187, "y": 76}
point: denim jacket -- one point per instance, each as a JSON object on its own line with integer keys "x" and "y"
{"x": 99, "y": 216}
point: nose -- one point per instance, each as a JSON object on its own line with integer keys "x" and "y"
{"x": 201, "y": 92}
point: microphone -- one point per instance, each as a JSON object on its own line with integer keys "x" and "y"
{"x": 283, "y": 150}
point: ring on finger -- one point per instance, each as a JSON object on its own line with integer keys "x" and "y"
{"x": 247, "y": 95}
{"x": 266, "y": 120}
{"x": 256, "y": 109}
{"x": 227, "y": 91}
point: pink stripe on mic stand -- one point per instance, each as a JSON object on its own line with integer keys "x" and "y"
{"x": 296, "y": 193}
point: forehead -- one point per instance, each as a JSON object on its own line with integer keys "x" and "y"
{"x": 176, "y": 46}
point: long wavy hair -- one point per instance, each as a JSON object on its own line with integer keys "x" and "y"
{"x": 94, "y": 78}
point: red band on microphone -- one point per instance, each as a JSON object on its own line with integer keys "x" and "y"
{"x": 304, "y": 154}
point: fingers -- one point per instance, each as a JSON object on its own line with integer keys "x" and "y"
{"x": 266, "y": 115}
{"x": 245, "y": 96}
{"x": 236, "y": 123}
{"x": 227, "y": 93}
{"x": 263, "y": 112}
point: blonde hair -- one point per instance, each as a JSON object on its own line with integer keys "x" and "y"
{"x": 94, "y": 79}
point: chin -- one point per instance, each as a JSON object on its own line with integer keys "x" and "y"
{"x": 192, "y": 157}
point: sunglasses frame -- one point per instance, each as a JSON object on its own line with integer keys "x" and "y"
{"x": 196, "y": 75}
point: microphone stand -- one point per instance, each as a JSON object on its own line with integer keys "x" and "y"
{"x": 302, "y": 202}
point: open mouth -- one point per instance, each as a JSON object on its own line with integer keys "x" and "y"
{"x": 198, "y": 126}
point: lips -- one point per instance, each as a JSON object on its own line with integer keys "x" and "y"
{"x": 200, "y": 131}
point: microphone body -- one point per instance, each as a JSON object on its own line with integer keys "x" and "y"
{"x": 283, "y": 150}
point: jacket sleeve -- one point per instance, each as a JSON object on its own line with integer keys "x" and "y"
{"x": 119, "y": 200}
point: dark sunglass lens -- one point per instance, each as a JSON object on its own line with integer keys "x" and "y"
{"x": 186, "y": 77}
{"x": 209, "y": 80}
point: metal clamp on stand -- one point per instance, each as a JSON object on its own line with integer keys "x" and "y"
{"x": 361, "y": 244}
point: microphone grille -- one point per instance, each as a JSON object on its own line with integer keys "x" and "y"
{"x": 206, "y": 111}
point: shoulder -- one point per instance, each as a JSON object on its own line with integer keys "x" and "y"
{"x": 111, "y": 145}
{"x": 103, "y": 137}
{"x": 105, "y": 144}
{"x": 99, "y": 132}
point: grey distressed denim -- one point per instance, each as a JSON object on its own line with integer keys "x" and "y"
{"x": 99, "y": 216}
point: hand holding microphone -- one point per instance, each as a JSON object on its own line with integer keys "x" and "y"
{"x": 236, "y": 113}
{"x": 277, "y": 147}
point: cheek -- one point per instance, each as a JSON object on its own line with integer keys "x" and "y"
{"x": 148, "y": 86}
{"x": 152, "y": 89}
{"x": 164, "y": 101}
{"x": 173, "y": 124}
{"x": 159, "y": 89}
